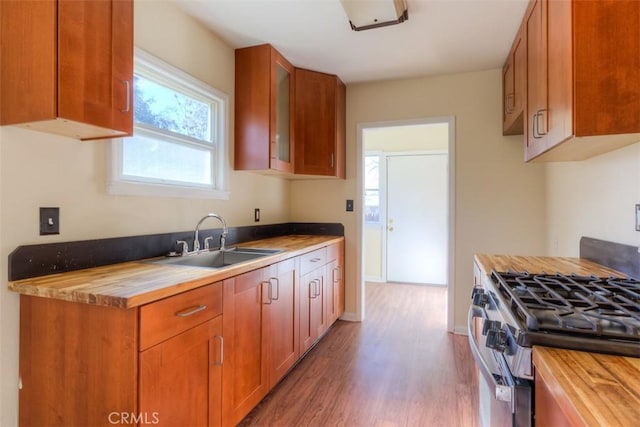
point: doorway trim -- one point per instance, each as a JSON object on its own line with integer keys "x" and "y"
{"x": 360, "y": 294}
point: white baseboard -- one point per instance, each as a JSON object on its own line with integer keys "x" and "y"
{"x": 349, "y": 317}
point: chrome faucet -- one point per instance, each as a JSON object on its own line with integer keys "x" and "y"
{"x": 223, "y": 237}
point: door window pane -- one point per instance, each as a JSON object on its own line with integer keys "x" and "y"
{"x": 372, "y": 189}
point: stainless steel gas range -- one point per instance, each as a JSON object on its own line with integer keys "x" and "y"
{"x": 516, "y": 310}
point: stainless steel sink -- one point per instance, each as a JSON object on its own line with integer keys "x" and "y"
{"x": 218, "y": 259}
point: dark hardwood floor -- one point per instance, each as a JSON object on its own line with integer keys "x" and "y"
{"x": 397, "y": 368}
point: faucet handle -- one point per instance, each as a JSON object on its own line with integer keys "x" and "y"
{"x": 185, "y": 247}
{"x": 207, "y": 245}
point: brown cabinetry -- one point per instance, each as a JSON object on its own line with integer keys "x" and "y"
{"x": 583, "y": 78}
{"x": 335, "y": 285}
{"x": 160, "y": 363}
{"x": 264, "y": 97}
{"x": 513, "y": 88}
{"x": 287, "y": 121}
{"x": 181, "y": 378}
{"x": 283, "y": 313}
{"x": 261, "y": 335}
{"x": 182, "y": 356}
{"x": 67, "y": 67}
{"x": 177, "y": 360}
{"x": 246, "y": 372}
{"x": 319, "y": 124}
{"x": 548, "y": 411}
{"x": 312, "y": 308}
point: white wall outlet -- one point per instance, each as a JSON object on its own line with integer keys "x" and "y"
{"x": 637, "y": 217}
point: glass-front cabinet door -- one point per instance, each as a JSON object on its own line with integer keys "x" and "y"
{"x": 281, "y": 149}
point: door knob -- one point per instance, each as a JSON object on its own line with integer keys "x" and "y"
{"x": 390, "y": 228}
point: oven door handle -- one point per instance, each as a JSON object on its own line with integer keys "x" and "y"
{"x": 502, "y": 392}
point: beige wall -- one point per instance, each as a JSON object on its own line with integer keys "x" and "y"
{"x": 407, "y": 138}
{"x": 594, "y": 198}
{"x": 499, "y": 198}
{"x": 43, "y": 170}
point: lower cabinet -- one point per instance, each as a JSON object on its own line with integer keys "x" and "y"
{"x": 335, "y": 285}
{"x": 245, "y": 373}
{"x": 312, "y": 308}
{"x": 283, "y": 313}
{"x": 181, "y": 378}
{"x": 204, "y": 357}
{"x": 261, "y": 335}
{"x": 160, "y": 363}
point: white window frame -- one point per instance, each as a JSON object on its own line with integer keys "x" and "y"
{"x": 160, "y": 71}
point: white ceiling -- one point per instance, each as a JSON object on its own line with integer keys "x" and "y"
{"x": 440, "y": 36}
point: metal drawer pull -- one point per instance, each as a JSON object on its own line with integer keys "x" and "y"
{"x": 541, "y": 113}
{"x": 312, "y": 289}
{"x": 127, "y": 86}
{"x": 191, "y": 311}
{"x": 277, "y": 288}
{"x": 319, "y": 287}
{"x": 315, "y": 259}
{"x": 268, "y": 292}
{"x": 221, "y": 339}
{"x": 536, "y": 125}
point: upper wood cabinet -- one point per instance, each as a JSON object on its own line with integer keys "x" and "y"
{"x": 583, "y": 78}
{"x": 264, "y": 97}
{"x": 513, "y": 88}
{"x": 319, "y": 124}
{"x": 287, "y": 121}
{"x": 67, "y": 67}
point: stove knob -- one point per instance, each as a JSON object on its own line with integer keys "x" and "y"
{"x": 497, "y": 339}
{"x": 479, "y": 298}
{"x": 488, "y": 325}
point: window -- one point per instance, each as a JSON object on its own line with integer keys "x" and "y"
{"x": 179, "y": 137}
{"x": 372, "y": 189}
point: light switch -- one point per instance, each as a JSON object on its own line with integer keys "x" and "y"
{"x": 49, "y": 221}
{"x": 349, "y": 205}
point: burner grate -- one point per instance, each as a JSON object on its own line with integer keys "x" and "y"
{"x": 577, "y": 305}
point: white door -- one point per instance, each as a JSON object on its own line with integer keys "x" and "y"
{"x": 417, "y": 219}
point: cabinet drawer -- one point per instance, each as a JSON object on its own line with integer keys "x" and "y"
{"x": 313, "y": 260}
{"x": 333, "y": 251}
{"x": 168, "y": 317}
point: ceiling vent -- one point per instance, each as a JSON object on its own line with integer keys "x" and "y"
{"x": 370, "y": 14}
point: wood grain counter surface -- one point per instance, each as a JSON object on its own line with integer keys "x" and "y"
{"x": 591, "y": 389}
{"x": 542, "y": 264}
{"x": 131, "y": 284}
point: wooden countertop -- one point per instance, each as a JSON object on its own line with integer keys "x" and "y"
{"x": 131, "y": 284}
{"x": 591, "y": 389}
{"x": 542, "y": 264}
